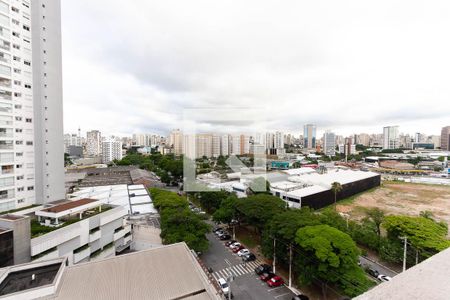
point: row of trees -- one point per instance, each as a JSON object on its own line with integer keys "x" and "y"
{"x": 319, "y": 251}
{"x": 324, "y": 244}
{"x": 168, "y": 167}
{"x": 178, "y": 222}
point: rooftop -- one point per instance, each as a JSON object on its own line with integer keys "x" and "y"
{"x": 69, "y": 205}
{"x": 427, "y": 280}
{"x": 168, "y": 272}
{"x": 20, "y": 280}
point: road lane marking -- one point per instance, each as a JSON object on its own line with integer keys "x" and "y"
{"x": 276, "y": 297}
{"x": 276, "y": 288}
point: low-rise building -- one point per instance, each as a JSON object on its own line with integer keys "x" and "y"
{"x": 169, "y": 272}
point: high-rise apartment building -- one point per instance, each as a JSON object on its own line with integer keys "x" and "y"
{"x": 176, "y": 141}
{"x": 225, "y": 145}
{"x": 47, "y": 97}
{"x": 329, "y": 143}
{"x": 445, "y": 138}
{"x": 31, "y": 126}
{"x": 391, "y": 137}
{"x": 111, "y": 150}
{"x": 93, "y": 143}
{"x": 309, "y": 136}
{"x": 72, "y": 140}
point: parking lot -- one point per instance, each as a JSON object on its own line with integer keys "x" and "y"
{"x": 246, "y": 284}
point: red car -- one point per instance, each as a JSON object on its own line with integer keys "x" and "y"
{"x": 237, "y": 249}
{"x": 275, "y": 281}
{"x": 266, "y": 276}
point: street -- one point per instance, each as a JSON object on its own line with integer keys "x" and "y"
{"x": 380, "y": 268}
{"x": 246, "y": 284}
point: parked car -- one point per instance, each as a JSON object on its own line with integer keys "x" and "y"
{"x": 220, "y": 231}
{"x": 228, "y": 244}
{"x": 275, "y": 281}
{"x": 224, "y": 287}
{"x": 249, "y": 257}
{"x": 266, "y": 276}
{"x": 373, "y": 272}
{"x": 237, "y": 249}
{"x": 225, "y": 237}
{"x": 384, "y": 278}
{"x": 217, "y": 229}
{"x": 243, "y": 252}
{"x": 235, "y": 244}
{"x": 263, "y": 269}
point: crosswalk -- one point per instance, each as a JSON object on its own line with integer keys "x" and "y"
{"x": 237, "y": 270}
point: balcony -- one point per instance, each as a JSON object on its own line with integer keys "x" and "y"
{"x": 81, "y": 253}
{"x": 94, "y": 235}
{"x": 7, "y": 169}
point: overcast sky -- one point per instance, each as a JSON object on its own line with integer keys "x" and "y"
{"x": 349, "y": 66}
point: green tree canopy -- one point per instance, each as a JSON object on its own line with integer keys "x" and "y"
{"x": 422, "y": 233}
{"x": 331, "y": 255}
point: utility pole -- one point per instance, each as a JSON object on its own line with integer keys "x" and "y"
{"x": 417, "y": 256}
{"x": 290, "y": 265}
{"x": 405, "y": 239}
{"x": 274, "y": 252}
{"x": 229, "y": 279}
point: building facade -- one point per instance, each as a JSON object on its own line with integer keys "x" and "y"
{"x": 309, "y": 136}
{"x": 31, "y": 136}
{"x": 445, "y": 138}
{"x": 391, "y": 137}
{"x": 93, "y": 143}
{"x": 329, "y": 143}
{"x": 111, "y": 150}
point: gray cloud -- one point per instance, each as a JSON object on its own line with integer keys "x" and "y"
{"x": 347, "y": 65}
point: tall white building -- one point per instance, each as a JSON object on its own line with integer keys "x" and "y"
{"x": 93, "y": 143}
{"x": 72, "y": 140}
{"x": 225, "y": 145}
{"x": 31, "y": 125}
{"x": 391, "y": 137}
{"x": 111, "y": 150}
{"x": 309, "y": 135}
{"x": 176, "y": 141}
{"x": 329, "y": 143}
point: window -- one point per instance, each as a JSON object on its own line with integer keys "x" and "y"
{"x": 19, "y": 154}
{"x": 17, "y": 82}
{"x": 16, "y": 34}
{"x": 25, "y": 27}
{"x": 15, "y": 46}
{"x": 18, "y": 130}
{"x": 29, "y": 143}
{"x": 26, "y": 41}
{"x": 4, "y": 8}
{"x": 28, "y": 120}
{"x": 26, "y": 62}
{"x": 30, "y": 188}
{"x": 18, "y": 118}
{"x": 14, "y": 9}
{"x": 20, "y": 201}
{"x": 17, "y": 94}
{"x": 4, "y": 70}
{"x": 19, "y": 142}
{"x": 21, "y": 177}
{"x": 18, "y": 166}
{"x": 18, "y": 106}
{"x": 20, "y": 189}
{"x": 16, "y": 58}
{"x": 15, "y": 22}
{"x": 28, "y": 86}
{"x": 17, "y": 71}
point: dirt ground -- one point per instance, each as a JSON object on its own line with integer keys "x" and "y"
{"x": 401, "y": 199}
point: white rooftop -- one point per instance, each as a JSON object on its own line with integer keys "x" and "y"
{"x": 134, "y": 197}
{"x": 299, "y": 171}
{"x": 333, "y": 175}
{"x": 306, "y": 191}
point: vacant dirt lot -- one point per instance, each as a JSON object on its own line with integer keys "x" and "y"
{"x": 401, "y": 199}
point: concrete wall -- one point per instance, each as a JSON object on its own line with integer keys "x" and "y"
{"x": 22, "y": 236}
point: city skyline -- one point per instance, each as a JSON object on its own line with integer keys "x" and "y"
{"x": 342, "y": 69}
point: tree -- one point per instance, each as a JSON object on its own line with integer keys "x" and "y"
{"x": 336, "y": 187}
{"x": 424, "y": 234}
{"x": 257, "y": 210}
{"x": 178, "y": 222}
{"x": 67, "y": 160}
{"x": 211, "y": 201}
{"x": 227, "y": 210}
{"x": 376, "y": 215}
{"x": 330, "y": 255}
